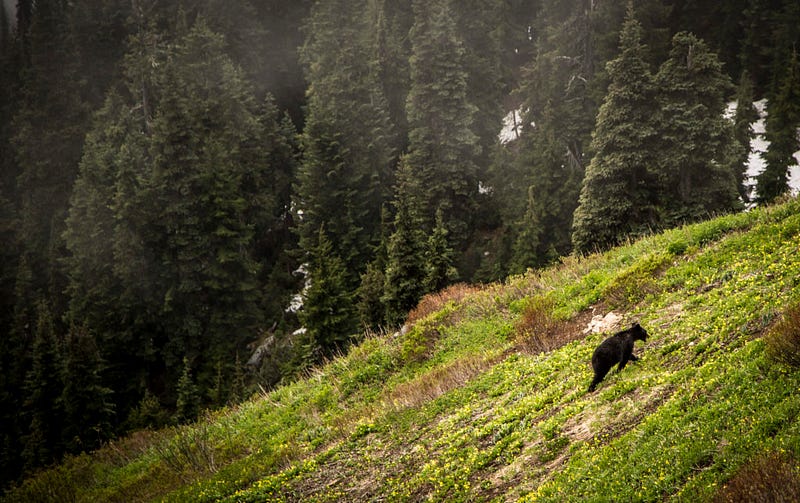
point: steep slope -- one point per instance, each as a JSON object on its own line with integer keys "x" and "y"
{"x": 483, "y": 395}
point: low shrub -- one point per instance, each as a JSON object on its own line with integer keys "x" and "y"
{"x": 190, "y": 453}
{"x": 538, "y": 330}
{"x": 783, "y": 339}
{"x": 418, "y": 343}
{"x": 769, "y": 478}
{"x": 678, "y": 247}
{"x": 633, "y": 284}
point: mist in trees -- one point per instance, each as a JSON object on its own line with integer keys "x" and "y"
{"x": 187, "y": 184}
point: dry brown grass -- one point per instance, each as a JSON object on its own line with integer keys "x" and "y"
{"x": 538, "y": 331}
{"x": 434, "y": 302}
{"x": 124, "y": 450}
{"x": 436, "y": 383}
{"x": 771, "y": 478}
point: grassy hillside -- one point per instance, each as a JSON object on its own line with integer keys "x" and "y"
{"x": 484, "y": 396}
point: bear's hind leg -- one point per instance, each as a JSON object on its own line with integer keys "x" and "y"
{"x": 599, "y": 375}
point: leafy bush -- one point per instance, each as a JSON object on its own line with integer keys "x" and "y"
{"x": 635, "y": 283}
{"x": 678, "y": 247}
{"x": 783, "y": 340}
{"x": 418, "y": 343}
{"x": 537, "y": 330}
{"x": 772, "y": 477}
{"x": 190, "y": 453}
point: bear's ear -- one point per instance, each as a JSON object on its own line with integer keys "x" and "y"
{"x": 635, "y": 325}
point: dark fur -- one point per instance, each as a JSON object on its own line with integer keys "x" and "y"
{"x": 617, "y": 349}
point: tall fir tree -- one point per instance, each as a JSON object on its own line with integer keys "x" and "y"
{"x": 50, "y": 122}
{"x": 370, "y": 306}
{"x": 783, "y": 121}
{"x": 557, "y": 116}
{"x": 440, "y": 270}
{"x": 85, "y": 400}
{"x": 543, "y": 226}
{"x": 617, "y": 195}
{"x": 328, "y": 314}
{"x": 188, "y": 402}
{"x": 348, "y": 157}
{"x": 183, "y": 169}
{"x": 478, "y": 23}
{"x": 9, "y": 94}
{"x": 405, "y": 266}
{"x": 746, "y": 114}
{"x": 392, "y": 21}
{"x": 41, "y": 409}
{"x": 697, "y": 166}
{"x": 443, "y": 147}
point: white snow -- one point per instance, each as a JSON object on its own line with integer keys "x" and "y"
{"x": 296, "y": 304}
{"x": 512, "y": 126}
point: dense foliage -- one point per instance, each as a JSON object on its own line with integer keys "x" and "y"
{"x": 186, "y": 184}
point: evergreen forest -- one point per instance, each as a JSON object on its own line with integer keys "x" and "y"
{"x": 204, "y": 198}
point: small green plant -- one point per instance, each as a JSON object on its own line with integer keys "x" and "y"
{"x": 783, "y": 340}
{"x": 678, "y": 247}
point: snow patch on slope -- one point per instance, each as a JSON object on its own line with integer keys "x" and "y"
{"x": 758, "y": 147}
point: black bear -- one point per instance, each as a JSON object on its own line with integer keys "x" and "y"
{"x": 616, "y": 349}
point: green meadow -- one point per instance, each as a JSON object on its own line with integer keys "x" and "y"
{"x": 482, "y": 396}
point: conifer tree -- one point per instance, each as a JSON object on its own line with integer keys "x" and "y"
{"x": 525, "y": 251}
{"x": 238, "y": 385}
{"x": 370, "y": 307}
{"x": 15, "y": 356}
{"x": 9, "y": 94}
{"x": 783, "y": 121}
{"x": 49, "y": 124}
{"x": 328, "y": 313}
{"x": 41, "y": 409}
{"x": 345, "y": 175}
{"x": 558, "y": 115}
{"x": 697, "y": 166}
{"x": 369, "y": 304}
{"x": 183, "y": 169}
{"x": 443, "y": 147}
{"x": 439, "y": 171}
{"x": 148, "y": 413}
{"x": 188, "y": 402}
{"x": 478, "y": 23}
{"x": 405, "y": 267}
{"x": 86, "y": 402}
{"x": 440, "y": 271}
{"x": 392, "y": 20}
{"x": 616, "y": 198}
{"x": 746, "y": 115}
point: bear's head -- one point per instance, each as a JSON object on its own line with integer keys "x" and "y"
{"x": 639, "y": 333}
